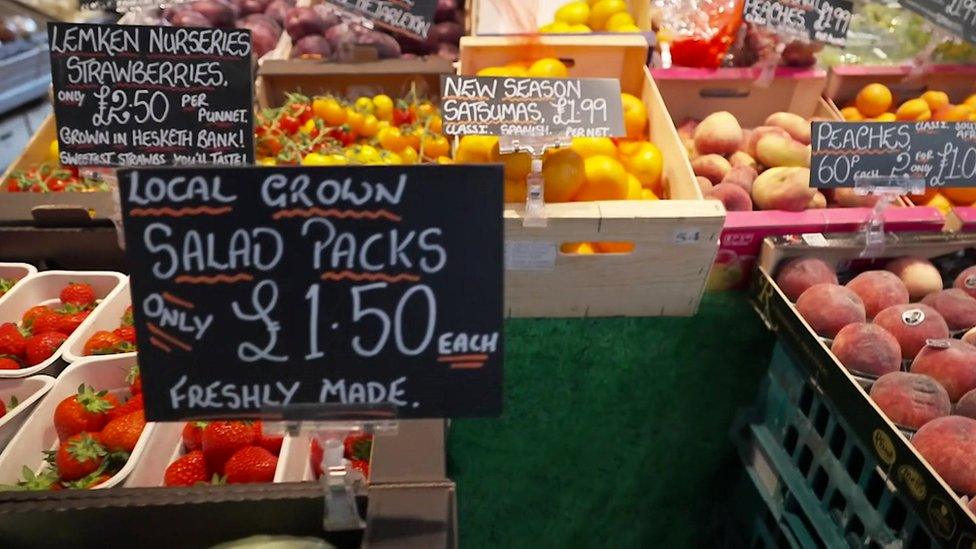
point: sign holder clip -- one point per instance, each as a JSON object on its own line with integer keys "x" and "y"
{"x": 887, "y": 189}
{"x": 535, "y": 202}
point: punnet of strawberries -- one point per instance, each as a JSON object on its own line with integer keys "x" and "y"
{"x": 97, "y": 433}
{"x": 43, "y": 328}
{"x": 6, "y": 284}
{"x": 119, "y": 340}
{"x": 218, "y": 452}
{"x": 48, "y": 178}
{"x": 356, "y": 451}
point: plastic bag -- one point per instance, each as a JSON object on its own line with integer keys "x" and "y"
{"x": 698, "y": 33}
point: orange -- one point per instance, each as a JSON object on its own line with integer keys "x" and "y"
{"x": 606, "y": 179}
{"x": 647, "y": 194}
{"x": 591, "y": 146}
{"x": 971, "y": 101}
{"x": 614, "y": 247}
{"x": 953, "y": 113}
{"x": 635, "y": 115}
{"x": 935, "y": 99}
{"x": 517, "y": 165}
{"x": 581, "y": 248}
{"x": 873, "y": 100}
{"x": 619, "y": 19}
{"x": 646, "y": 164}
{"x": 851, "y": 114}
{"x": 556, "y": 27}
{"x": 941, "y": 203}
{"x": 602, "y": 10}
{"x": 563, "y": 171}
{"x": 515, "y": 190}
{"x": 475, "y": 149}
{"x": 548, "y": 67}
{"x": 913, "y": 109}
{"x": 960, "y": 195}
{"x": 573, "y": 13}
{"x": 493, "y": 71}
{"x": 579, "y": 29}
{"x": 633, "y": 188}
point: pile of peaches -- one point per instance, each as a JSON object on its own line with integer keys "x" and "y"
{"x": 912, "y": 339}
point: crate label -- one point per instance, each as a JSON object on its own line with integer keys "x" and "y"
{"x": 686, "y": 236}
{"x": 132, "y": 95}
{"x": 410, "y": 17}
{"x": 816, "y": 240}
{"x": 530, "y": 255}
{"x": 825, "y": 21}
{"x": 943, "y": 154}
{"x": 956, "y": 16}
{"x": 256, "y": 288}
{"x": 532, "y": 107}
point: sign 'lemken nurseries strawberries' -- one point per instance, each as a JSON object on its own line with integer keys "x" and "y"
{"x": 128, "y": 95}
{"x": 256, "y": 289}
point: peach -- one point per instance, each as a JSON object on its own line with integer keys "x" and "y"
{"x": 919, "y": 275}
{"x": 949, "y": 444}
{"x": 703, "y": 183}
{"x": 910, "y": 400}
{"x": 970, "y": 337}
{"x": 966, "y": 405}
{"x": 956, "y": 307}
{"x": 817, "y": 202}
{"x": 797, "y": 275}
{"x": 828, "y": 307}
{"x": 848, "y": 198}
{"x": 741, "y": 176}
{"x": 718, "y": 133}
{"x": 783, "y": 189}
{"x": 740, "y": 158}
{"x": 733, "y": 197}
{"x": 758, "y": 133}
{"x": 867, "y": 349}
{"x": 879, "y": 290}
{"x": 711, "y": 166}
{"x": 966, "y": 281}
{"x": 912, "y": 325}
{"x": 794, "y": 124}
{"x": 950, "y": 362}
{"x": 774, "y": 150}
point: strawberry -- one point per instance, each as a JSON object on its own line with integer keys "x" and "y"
{"x": 134, "y": 379}
{"x": 5, "y": 285}
{"x": 220, "y": 439}
{"x": 192, "y": 432}
{"x": 271, "y": 443}
{"x": 251, "y": 464}
{"x": 45, "y": 322}
{"x": 102, "y": 342}
{"x": 68, "y": 322}
{"x": 316, "y": 457}
{"x": 13, "y": 404}
{"x": 40, "y": 347}
{"x": 361, "y": 465}
{"x": 357, "y": 446}
{"x": 79, "y": 456}
{"x": 127, "y": 320}
{"x": 88, "y": 481}
{"x": 31, "y": 313}
{"x": 132, "y": 405}
{"x": 85, "y": 411}
{"x": 78, "y": 293}
{"x": 12, "y": 341}
{"x": 188, "y": 470}
{"x": 9, "y": 363}
{"x": 122, "y": 433}
{"x": 46, "y": 480}
{"x": 126, "y": 334}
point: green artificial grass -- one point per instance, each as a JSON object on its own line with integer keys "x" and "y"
{"x": 615, "y": 432}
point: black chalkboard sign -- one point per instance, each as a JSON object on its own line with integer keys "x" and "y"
{"x": 532, "y": 107}
{"x": 254, "y": 288}
{"x": 825, "y": 21}
{"x": 409, "y": 17}
{"x": 955, "y": 16}
{"x": 943, "y": 154}
{"x": 130, "y": 95}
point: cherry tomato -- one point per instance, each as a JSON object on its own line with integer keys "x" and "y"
{"x": 342, "y": 135}
{"x": 301, "y": 111}
{"x": 330, "y": 110}
{"x": 288, "y": 124}
{"x": 383, "y": 107}
{"x": 435, "y": 146}
{"x": 369, "y": 126}
{"x": 391, "y": 139}
{"x": 402, "y": 117}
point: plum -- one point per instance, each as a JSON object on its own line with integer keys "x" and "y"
{"x": 386, "y": 46}
{"x": 220, "y": 14}
{"x": 277, "y": 10}
{"x": 411, "y": 45}
{"x": 330, "y": 17}
{"x": 447, "y": 32}
{"x": 248, "y": 7}
{"x": 189, "y": 18}
{"x": 447, "y": 10}
{"x": 448, "y": 51}
{"x": 312, "y": 46}
{"x": 301, "y": 22}
{"x": 264, "y": 32}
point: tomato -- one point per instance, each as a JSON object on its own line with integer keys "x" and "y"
{"x": 424, "y": 109}
{"x": 383, "y": 107}
{"x": 409, "y": 155}
{"x": 414, "y": 136}
{"x": 436, "y": 124}
{"x": 391, "y": 139}
{"x": 435, "y": 145}
{"x": 310, "y": 129}
{"x": 402, "y": 117}
{"x": 390, "y": 158}
{"x": 288, "y": 124}
{"x": 57, "y": 184}
{"x": 342, "y": 135}
{"x": 364, "y": 154}
{"x": 354, "y": 120}
{"x": 370, "y": 126}
{"x": 301, "y": 111}
{"x": 330, "y": 110}
{"x": 53, "y": 151}
{"x": 269, "y": 146}
{"x": 364, "y": 105}
{"x": 319, "y": 159}
{"x": 13, "y": 184}
{"x": 265, "y": 161}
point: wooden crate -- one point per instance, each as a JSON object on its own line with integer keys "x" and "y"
{"x": 493, "y": 17}
{"x": 675, "y": 240}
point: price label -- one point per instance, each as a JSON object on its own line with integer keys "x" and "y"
{"x": 943, "y": 154}
{"x": 255, "y": 288}
{"x": 956, "y": 16}
{"x": 825, "y": 21}
{"x": 128, "y": 95}
{"x": 410, "y": 17}
{"x": 532, "y": 107}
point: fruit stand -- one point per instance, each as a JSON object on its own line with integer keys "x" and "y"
{"x": 490, "y": 273}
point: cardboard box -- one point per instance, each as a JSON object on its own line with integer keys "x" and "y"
{"x": 675, "y": 240}
{"x": 926, "y": 495}
{"x": 696, "y": 93}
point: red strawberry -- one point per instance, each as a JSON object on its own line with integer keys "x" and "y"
{"x": 40, "y": 347}
{"x": 271, "y": 443}
{"x": 8, "y": 363}
{"x": 79, "y": 456}
{"x": 68, "y": 322}
{"x": 85, "y": 411}
{"x": 317, "y": 455}
{"x": 188, "y": 470}
{"x": 29, "y": 314}
{"x": 126, "y": 333}
{"x": 86, "y": 482}
{"x": 132, "y": 405}
{"x": 362, "y": 466}
{"x": 122, "y": 433}
{"x": 221, "y": 439}
{"x": 5, "y": 285}
{"x": 45, "y": 322}
{"x": 102, "y": 342}
{"x": 78, "y": 293}
{"x": 127, "y": 319}
{"x": 3, "y": 408}
{"x": 251, "y": 464}
{"x": 357, "y": 446}
{"x": 12, "y": 342}
{"x": 192, "y": 432}
{"x": 134, "y": 379}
